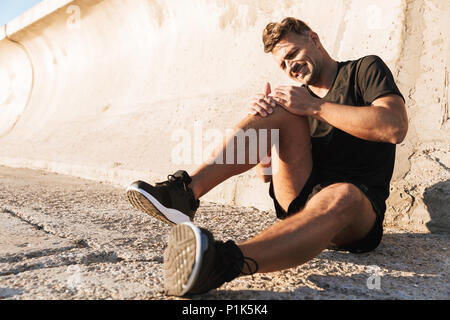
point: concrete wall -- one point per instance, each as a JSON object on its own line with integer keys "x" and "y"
{"x": 103, "y": 89}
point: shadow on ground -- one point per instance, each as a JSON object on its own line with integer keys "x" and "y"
{"x": 9, "y": 293}
{"x": 437, "y": 200}
{"x": 404, "y": 266}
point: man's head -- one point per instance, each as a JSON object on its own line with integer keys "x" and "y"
{"x": 296, "y": 49}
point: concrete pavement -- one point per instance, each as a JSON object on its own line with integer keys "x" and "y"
{"x": 68, "y": 238}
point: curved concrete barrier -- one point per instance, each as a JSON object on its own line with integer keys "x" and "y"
{"x": 16, "y": 83}
{"x": 107, "y": 89}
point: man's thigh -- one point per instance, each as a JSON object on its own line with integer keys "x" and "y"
{"x": 362, "y": 223}
{"x": 363, "y": 229}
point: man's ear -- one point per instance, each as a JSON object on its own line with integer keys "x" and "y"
{"x": 314, "y": 37}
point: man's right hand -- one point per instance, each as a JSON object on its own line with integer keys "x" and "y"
{"x": 262, "y": 104}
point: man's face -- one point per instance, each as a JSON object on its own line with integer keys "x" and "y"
{"x": 299, "y": 56}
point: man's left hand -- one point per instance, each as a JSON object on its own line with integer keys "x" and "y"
{"x": 296, "y": 100}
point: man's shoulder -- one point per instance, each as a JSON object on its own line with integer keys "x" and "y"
{"x": 367, "y": 61}
{"x": 367, "y": 65}
{"x": 364, "y": 62}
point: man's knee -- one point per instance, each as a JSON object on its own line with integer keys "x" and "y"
{"x": 340, "y": 199}
{"x": 347, "y": 195}
{"x": 346, "y": 192}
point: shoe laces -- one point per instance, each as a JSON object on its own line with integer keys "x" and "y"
{"x": 248, "y": 263}
{"x": 229, "y": 252}
{"x": 174, "y": 179}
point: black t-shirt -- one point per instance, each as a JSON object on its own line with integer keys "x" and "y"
{"x": 339, "y": 155}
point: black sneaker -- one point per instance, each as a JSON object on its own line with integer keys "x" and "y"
{"x": 194, "y": 263}
{"x": 171, "y": 201}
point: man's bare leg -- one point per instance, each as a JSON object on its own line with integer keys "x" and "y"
{"x": 294, "y": 161}
{"x": 339, "y": 214}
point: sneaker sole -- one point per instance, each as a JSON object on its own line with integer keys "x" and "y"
{"x": 182, "y": 259}
{"x": 146, "y": 203}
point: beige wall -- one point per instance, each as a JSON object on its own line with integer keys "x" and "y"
{"x": 101, "y": 97}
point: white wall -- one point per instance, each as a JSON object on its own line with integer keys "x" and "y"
{"x": 102, "y": 97}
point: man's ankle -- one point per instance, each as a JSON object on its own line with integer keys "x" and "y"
{"x": 195, "y": 187}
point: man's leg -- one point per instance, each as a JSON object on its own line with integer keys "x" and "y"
{"x": 294, "y": 161}
{"x": 195, "y": 263}
{"x": 339, "y": 214}
{"x": 176, "y": 200}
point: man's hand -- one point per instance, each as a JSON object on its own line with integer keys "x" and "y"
{"x": 296, "y": 100}
{"x": 262, "y": 104}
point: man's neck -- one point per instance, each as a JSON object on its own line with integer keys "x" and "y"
{"x": 326, "y": 78}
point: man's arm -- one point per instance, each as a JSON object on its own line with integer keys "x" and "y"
{"x": 384, "y": 121}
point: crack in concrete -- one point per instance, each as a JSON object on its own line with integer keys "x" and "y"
{"x": 15, "y": 213}
{"x": 409, "y": 160}
{"x": 413, "y": 200}
{"x": 155, "y": 259}
{"x": 89, "y": 259}
{"x": 35, "y": 254}
{"x": 438, "y": 161}
{"x": 408, "y": 60}
{"x": 444, "y": 104}
{"x": 341, "y": 29}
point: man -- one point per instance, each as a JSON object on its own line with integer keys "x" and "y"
{"x": 331, "y": 183}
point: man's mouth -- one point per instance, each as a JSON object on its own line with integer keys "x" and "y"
{"x": 299, "y": 69}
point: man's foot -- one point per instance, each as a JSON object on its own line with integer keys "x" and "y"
{"x": 171, "y": 201}
{"x": 194, "y": 263}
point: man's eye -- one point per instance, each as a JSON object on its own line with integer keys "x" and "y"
{"x": 291, "y": 55}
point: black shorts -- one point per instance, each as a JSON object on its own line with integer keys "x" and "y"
{"x": 317, "y": 181}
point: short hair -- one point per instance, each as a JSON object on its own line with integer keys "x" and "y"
{"x": 274, "y": 31}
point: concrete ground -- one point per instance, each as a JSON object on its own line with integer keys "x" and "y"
{"x": 67, "y": 238}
